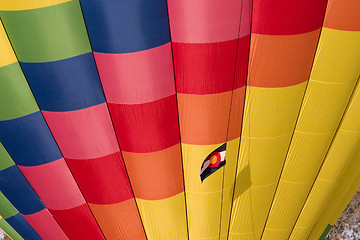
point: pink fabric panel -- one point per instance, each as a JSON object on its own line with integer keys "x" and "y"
{"x": 46, "y": 226}
{"x": 54, "y": 184}
{"x": 138, "y": 77}
{"x": 83, "y": 134}
{"x": 206, "y": 21}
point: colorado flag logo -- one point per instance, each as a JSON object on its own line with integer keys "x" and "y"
{"x": 214, "y": 161}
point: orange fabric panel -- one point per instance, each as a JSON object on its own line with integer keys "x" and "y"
{"x": 343, "y": 15}
{"x": 281, "y": 61}
{"x": 204, "y": 118}
{"x": 236, "y": 114}
{"x": 109, "y": 217}
{"x": 155, "y": 175}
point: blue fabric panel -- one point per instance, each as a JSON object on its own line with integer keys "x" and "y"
{"x": 118, "y": 26}
{"x": 19, "y": 192}
{"x": 22, "y": 227}
{"x": 65, "y": 85}
{"x": 28, "y": 140}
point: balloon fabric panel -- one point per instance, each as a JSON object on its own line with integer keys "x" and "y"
{"x": 8, "y": 230}
{"x": 19, "y": 223}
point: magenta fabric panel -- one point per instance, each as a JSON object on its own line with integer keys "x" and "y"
{"x": 44, "y": 218}
{"x": 143, "y": 79}
{"x": 55, "y": 184}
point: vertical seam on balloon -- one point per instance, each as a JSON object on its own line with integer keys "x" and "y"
{"x": 112, "y": 123}
{"x": 296, "y": 122}
{"x": 50, "y": 133}
{"x": 243, "y": 116}
{"x": 228, "y": 126}
{"x": 178, "y": 116}
{"x": 328, "y": 150}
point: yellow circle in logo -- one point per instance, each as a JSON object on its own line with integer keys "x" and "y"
{"x": 213, "y": 159}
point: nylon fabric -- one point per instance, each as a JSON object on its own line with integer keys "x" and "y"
{"x": 14, "y": 5}
{"x": 7, "y": 56}
{"x": 19, "y": 223}
{"x": 5, "y": 226}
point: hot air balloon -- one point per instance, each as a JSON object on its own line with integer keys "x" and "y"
{"x": 110, "y": 108}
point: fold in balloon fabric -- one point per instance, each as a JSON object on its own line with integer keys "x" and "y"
{"x": 332, "y": 80}
{"x": 57, "y": 61}
{"x": 131, "y": 44}
{"x": 210, "y": 60}
{"x": 346, "y": 188}
{"x": 8, "y": 230}
{"x": 279, "y": 68}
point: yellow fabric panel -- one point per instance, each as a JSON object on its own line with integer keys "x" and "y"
{"x": 204, "y": 199}
{"x": 334, "y": 74}
{"x": 164, "y": 219}
{"x": 344, "y": 146}
{"x": 7, "y": 55}
{"x": 13, "y": 5}
{"x": 337, "y": 57}
{"x": 269, "y": 120}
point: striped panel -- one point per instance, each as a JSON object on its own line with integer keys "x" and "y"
{"x": 278, "y": 71}
{"x": 210, "y": 60}
{"x": 132, "y": 49}
{"x": 344, "y": 192}
{"x": 9, "y": 231}
{"x": 332, "y": 80}
{"x": 345, "y": 144}
{"x": 57, "y": 61}
{"x": 27, "y": 138}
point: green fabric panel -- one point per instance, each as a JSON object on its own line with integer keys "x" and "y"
{"x": 9, "y": 230}
{"x": 16, "y": 98}
{"x": 6, "y": 208}
{"x": 5, "y": 160}
{"x": 47, "y": 34}
{"x": 326, "y": 231}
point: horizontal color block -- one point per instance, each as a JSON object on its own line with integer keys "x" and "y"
{"x": 206, "y": 21}
{"x": 6, "y": 208}
{"x": 9, "y": 230}
{"x": 65, "y": 85}
{"x": 7, "y": 55}
{"x": 6, "y": 160}
{"x": 146, "y": 127}
{"x": 78, "y": 223}
{"x": 138, "y": 77}
{"x": 16, "y": 99}
{"x": 119, "y": 221}
{"x": 155, "y": 175}
{"x": 126, "y": 26}
{"x": 102, "y": 180}
{"x": 47, "y": 34}
{"x": 204, "y": 118}
{"x": 343, "y": 15}
{"x": 19, "y": 192}
{"x": 281, "y": 61}
{"x": 45, "y": 225}
{"x": 282, "y": 17}
{"x": 164, "y": 219}
{"x": 242, "y": 60}
{"x": 83, "y": 134}
{"x": 21, "y": 226}
{"x": 54, "y": 183}
{"x": 28, "y": 140}
{"x": 24, "y": 4}
{"x": 236, "y": 114}
{"x": 204, "y": 68}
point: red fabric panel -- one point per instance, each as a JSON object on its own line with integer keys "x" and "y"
{"x": 146, "y": 127}
{"x": 54, "y": 184}
{"x": 242, "y": 62}
{"x": 137, "y": 77}
{"x": 83, "y": 134}
{"x": 46, "y": 226}
{"x": 284, "y": 17}
{"x": 78, "y": 223}
{"x": 102, "y": 180}
{"x": 204, "y": 68}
